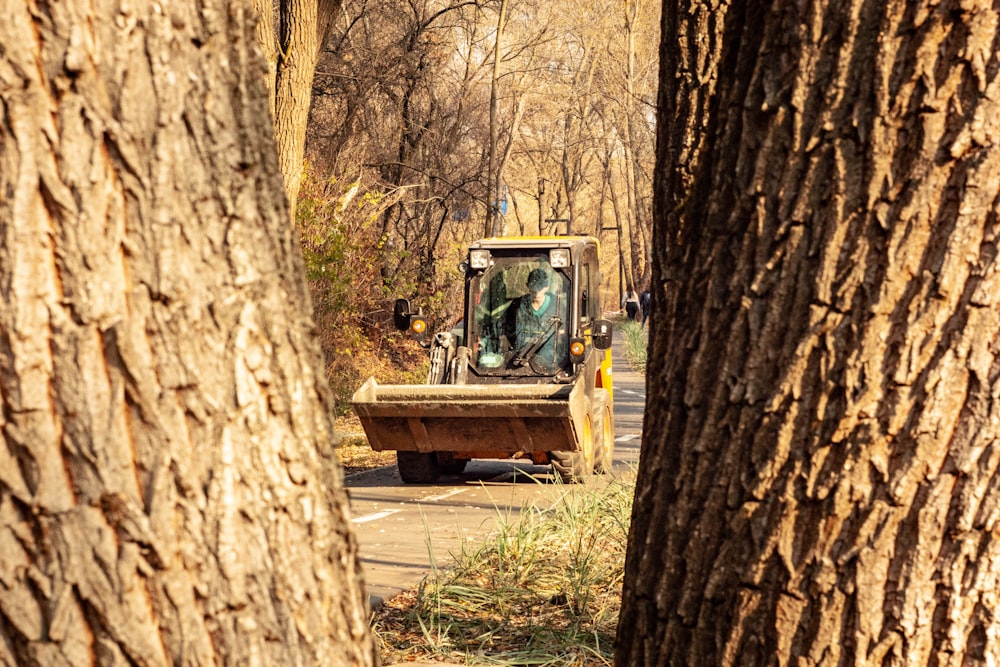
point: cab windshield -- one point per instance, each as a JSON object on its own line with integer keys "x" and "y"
{"x": 518, "y": 324}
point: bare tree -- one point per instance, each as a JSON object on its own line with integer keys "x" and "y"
{"x": 493, "y": 170}
{"x": 633, "y": 119}
{"x": 818, "y": 475}
{"x": 291, "y": 34}
{"x": 403, "y": 108}
{"x": 168, "y": 489}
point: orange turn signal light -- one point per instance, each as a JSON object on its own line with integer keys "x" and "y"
{"x": 418, "y": 326}
{"x": 576, "y": 348}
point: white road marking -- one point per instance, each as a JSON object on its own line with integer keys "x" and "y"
{"x": 442, "y": 496}
{"x": 375, "y": 517}
{"x": 626, "y": 438}
{"x": 629, "y": 391}
{"x": 385, "y": 513}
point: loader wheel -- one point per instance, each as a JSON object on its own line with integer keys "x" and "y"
{"x": 604, "y": 432}
{"x": 574, "y": 467}
{"x": 570, "y": 466}
{"x": 449, "y": 465}
{"x": 418, "y": 467}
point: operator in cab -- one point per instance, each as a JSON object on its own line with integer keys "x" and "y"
{"x": 532, "y": 319}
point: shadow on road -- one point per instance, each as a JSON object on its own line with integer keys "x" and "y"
{"x": 478, "y": 472}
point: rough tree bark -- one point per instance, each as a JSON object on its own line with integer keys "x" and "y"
{"x": 168, "y": 490}
{"x": 819, "y": 476}
{"x": 291, "y": 34}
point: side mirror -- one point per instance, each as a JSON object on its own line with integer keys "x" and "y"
{"x": 401, "y": 315}
{"x": 601, "y": 334}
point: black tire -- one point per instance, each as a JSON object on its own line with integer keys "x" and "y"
{"x": 575, "y": 467}
{"x": 570, "y": 466}
{"x": 604, "y": 432}
{"x": 449, "y": 465}
{"x": 418, "y": 467}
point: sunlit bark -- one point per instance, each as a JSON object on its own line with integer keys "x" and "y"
{"x": 818, "y": 482}
{"x": 168, "y": 489}
{"x": 291, "y": 35}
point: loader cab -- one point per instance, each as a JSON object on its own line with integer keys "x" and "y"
{"x": 539, "y": 388}
{"x": 528, "y": 306}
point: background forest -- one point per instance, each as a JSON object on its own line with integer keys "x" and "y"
{"x": 426, "y": 111}
{"x": 819, "y": 480}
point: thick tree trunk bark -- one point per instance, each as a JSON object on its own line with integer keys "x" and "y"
{"x": 291, "y": 35}
{"x": 267, "y": 19}
{"x": 819, "y": 475}
{"x": 300, "y": 47}
{"x": 168, "y": 489}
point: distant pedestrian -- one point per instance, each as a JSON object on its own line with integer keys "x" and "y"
{"x": 630, "y": 302}
{"x": 644, "y": 303}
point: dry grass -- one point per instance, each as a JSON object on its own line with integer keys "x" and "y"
{"x": 635, "y": 344}
{"x": 545, "y": 589}
{"x": 354, "y": 452}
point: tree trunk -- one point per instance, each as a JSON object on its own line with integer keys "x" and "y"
{"x": 493, "y": 171}
{"x": 267, "y": 15}
{"x": 624, "y": 267}
{"x": 818, "y": 481}
{"x": 168, "y": 489}
{"x": 291, "y": 47}
{"x": 637, "y": 250}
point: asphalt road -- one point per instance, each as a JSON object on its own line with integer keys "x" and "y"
{"x": 404, "y": 530}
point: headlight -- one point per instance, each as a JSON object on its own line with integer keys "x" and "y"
{"x": 559, "y": 258}
{"x": 479, "y": 258}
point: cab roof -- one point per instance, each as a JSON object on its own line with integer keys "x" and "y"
{"x": 575, "y": 243}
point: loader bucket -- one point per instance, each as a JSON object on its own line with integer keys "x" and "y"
{"x": 470, "y": 418}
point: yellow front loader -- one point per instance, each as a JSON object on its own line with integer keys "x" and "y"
{"x": 527, "y": 374}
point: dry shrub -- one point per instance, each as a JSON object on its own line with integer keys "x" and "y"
{"x": 352, "y": 306}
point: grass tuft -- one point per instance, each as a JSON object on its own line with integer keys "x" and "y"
{"x": 545, "y": 589}
{"x": 634, "y": 344}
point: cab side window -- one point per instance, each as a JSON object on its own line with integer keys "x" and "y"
{"x": 590, "y": 280}
{"x": 595, "y": 279}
